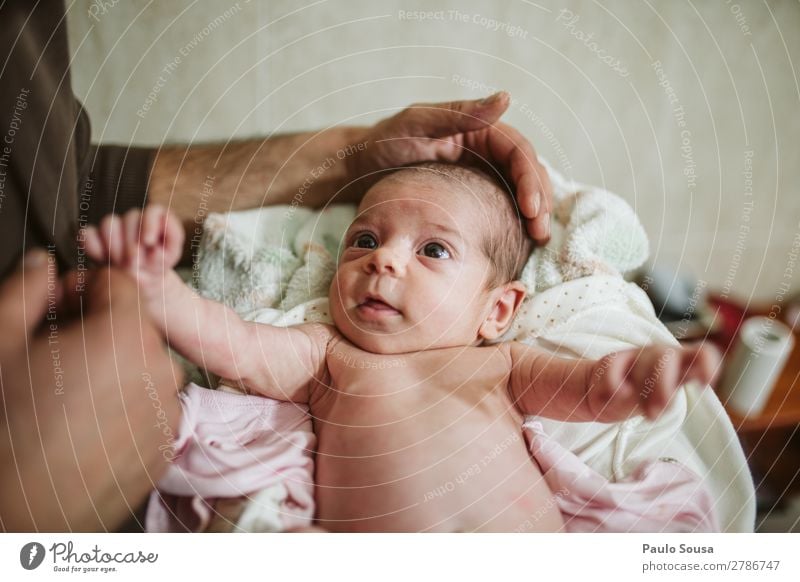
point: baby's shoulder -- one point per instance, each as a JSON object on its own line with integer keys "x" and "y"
{"x": 499, "y": 353}
{"x": 323, "y": 336}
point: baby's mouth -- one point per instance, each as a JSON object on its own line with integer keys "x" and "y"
{"x": 375, "y": 307}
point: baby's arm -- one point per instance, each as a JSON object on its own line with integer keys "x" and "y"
{"x": 273, "y": 361}
{"x": 619, "y": 385}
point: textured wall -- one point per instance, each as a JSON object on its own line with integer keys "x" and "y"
{"x": 689, "y": 110}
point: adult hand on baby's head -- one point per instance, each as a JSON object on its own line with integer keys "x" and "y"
{"x": 460, "y": 131}
{"x": 643, "y": 381}
{"x": 146, "y": 244}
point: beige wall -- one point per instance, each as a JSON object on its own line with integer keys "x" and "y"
{"x": 597, "y": 107}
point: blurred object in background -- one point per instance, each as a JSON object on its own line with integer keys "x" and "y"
{"x": 793, "y": 313}
{"x": 753, "y": 366}
{"x": 681, "y": 303}
{"x": 771, "y": 439}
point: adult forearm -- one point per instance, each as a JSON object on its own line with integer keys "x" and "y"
{"x": 306, "y": 169}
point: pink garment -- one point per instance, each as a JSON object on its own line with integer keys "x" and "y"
{"x": 659, "y": 496}
{"x": 232, "y": 445}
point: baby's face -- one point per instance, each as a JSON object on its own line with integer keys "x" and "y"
{"x": 412, "y": 274}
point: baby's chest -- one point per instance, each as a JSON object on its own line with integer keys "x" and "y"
{"x": 469, "y": 373}
{"x": 394, "y": 402}
{"x": 357, "y": 373}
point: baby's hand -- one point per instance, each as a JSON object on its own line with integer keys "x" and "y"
{"x": 147, "y": 244}
{"x": 643, "y": 381}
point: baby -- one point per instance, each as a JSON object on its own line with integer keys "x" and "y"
{"x": 407, "y": 390}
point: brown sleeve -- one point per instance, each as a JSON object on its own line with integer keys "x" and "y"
{"x": 114, "y": 180}
{"x": 51, "y": 179}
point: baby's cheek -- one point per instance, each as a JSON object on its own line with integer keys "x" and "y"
{"x": 452, "y": 314}
{"x": 338, "y": 287}
{"x": 335, "y": 300}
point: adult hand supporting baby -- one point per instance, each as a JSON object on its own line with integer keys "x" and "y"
{"x": 96, "y": 427}
{"x": 460, "y": 131}
{"x": 338, "y": 164}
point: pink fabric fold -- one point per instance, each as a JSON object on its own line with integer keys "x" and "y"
{"x": 233, "y": 445}
{"x": 659, "y": 496}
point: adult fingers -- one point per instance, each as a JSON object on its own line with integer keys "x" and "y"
{"x": 435, "y": 120}
{"x": 539, "y": 229}
{"x": 112, "y": 287}
{"x": 95, "y": 288}
{"x": 73, "y": 285}
{"x": 24, "y": 297}
{"x": 509, "y": 148}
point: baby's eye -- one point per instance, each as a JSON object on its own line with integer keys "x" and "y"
{"x": 365, "y": 241}
{"x": 435, "y": 251}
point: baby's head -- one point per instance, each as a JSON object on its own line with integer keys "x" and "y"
{"x": 430, "y": 261}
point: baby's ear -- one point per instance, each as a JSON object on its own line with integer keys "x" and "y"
{"x": 506, "y": 300}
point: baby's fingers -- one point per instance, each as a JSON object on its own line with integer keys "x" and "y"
{"x": 162, "y": 230}
{"x": 93, "y": 245}
{"x": 658, "y": 381}
{"x": 153, "y": 225}
{"x": 132, "y": 227}
{"x": 173, "y": 239}
{"x": 701, "y": 363}
{"x": 612, "y": 395}
{"x": 111, "y": 233}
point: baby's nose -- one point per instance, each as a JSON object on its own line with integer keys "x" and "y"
{"x": 386, "y": 260}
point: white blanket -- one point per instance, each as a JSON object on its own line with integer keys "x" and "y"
{"x": 275, "y": 264}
